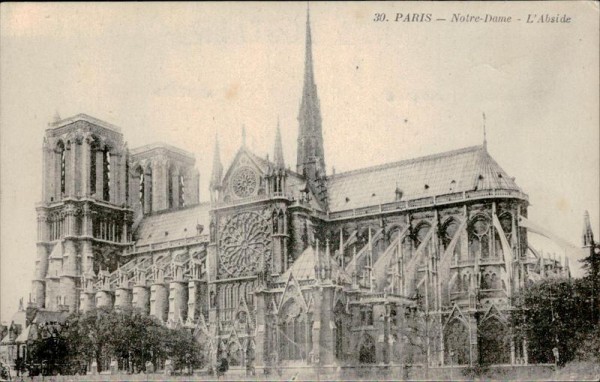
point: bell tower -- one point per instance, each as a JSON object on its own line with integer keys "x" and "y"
{"x": 84, "y": 210}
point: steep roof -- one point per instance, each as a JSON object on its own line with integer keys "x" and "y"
{"x": 47, "y": 316}
{"x": 172, "y": 225}
{"x": 24, "y": 336}
{"x": 304, "y": 267}
{"x": 466, "y": 169}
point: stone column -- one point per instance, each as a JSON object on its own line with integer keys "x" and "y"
{"x": 148, "y": 191}
{"x": 326, "y": 336}
{"x": 316, "y": 327}
{"x": 72, "y": 169}
{"x": 261, "y": 350}
{"x": 197, "y": 299}
{"x": 115, "y": 169}
{"x": 277, "y": 255}
{"x": 178, "y": 298}
{"x": 474, "y": 337}
{"x": 159, "y": 301}
{"x": 69, "y": 276}
{"x": 141, "y": 298}
{"x": 378, "y": 323}
{"x": 512, "y": 350}
{"x": 99, "y": 174}
{"x": 41, "y": 263}
{"x": 87, "y": 300}
{"x": 123, "y": 297}
{"x": 159, "y": 184}
{"x": 104, "y": 298}
{"x": 193, "y": 188}
{"x": 355, "y": 339}
{"x": 175, "y": 186}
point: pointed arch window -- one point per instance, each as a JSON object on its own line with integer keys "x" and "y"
{"x": 450, "y": 231}
{"x": 506, "y": 224}
{"x": 181, "y": 186}
{"x": 292, "y": 332}
{"x": 170, "y": 187}
{"x": 106, "y": 157}
{"x": 479, "y": 240}
{"x": 148, "y": 190}
{"x": 141, "y": 180}
{"x": 93, "y": 150}
{"x": 126, "y": 181}
{"x": 63, "y": 170}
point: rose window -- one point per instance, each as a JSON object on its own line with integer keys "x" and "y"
{"x": 245, "y": 241}
{"x": 244, "y": 182}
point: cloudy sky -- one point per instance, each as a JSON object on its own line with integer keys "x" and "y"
{"x": 180, "y": 72}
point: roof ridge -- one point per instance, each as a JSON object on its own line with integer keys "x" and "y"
{"x": 85, "y": 117}
{"x": 159, "y": 145}
{"x": 407, "y": 161}
{"x": 269, "y": 162}
{"x": 176, "y": 210}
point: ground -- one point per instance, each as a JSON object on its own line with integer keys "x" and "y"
{"x": 571, "y": 372}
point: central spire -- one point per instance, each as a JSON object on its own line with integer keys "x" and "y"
{"x": 311, "y": 156}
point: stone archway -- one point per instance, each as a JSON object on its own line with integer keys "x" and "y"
{"x": 341, "y": 331}
{"x": 367, "y": 351}
{"x": 494, "y": 342}
{"x": 235, "y": 355}
{"x": 457, "y": 349}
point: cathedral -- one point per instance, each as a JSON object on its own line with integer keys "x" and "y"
{"x": 410, "y": 262}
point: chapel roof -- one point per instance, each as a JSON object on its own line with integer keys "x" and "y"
{"x": 304, "y": 267}
{"x": 466, "y": 169}
{"x": 173, "y": 225}
{"x": 49, "y": 316}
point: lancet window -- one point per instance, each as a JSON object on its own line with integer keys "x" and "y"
{"x": 479, "y": 240}
{"x": 170, "y": 187}
{"x": 181, "y": 186}
{"x": 57, "y": 223}
{"x": 292, "y": 332}
{"x": 63, "y": 169}
{"x": 106, "y": 174}
{"x": 450, "y": 230}
{"x": 94, "y": 147}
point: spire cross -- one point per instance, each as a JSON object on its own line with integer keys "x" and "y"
{"x": 484, "y": 133}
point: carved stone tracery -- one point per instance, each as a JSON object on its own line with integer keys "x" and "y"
{"x": 244, "y": 244}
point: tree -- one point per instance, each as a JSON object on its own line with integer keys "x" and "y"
{"x": 554, "y": 313}
{"x": 183, "y": 349}
{"x": 591, "y": 264}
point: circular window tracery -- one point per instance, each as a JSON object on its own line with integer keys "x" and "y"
{"x": 245, "y": 182}
{"x": 244, "y": 240}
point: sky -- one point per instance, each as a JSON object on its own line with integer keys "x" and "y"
{"x": 181, "y": 72}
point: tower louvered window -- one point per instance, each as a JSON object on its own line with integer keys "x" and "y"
{"x": 106, "y": 174}
{"x": 181, "y": 191}
{"x": 63, "y": 174}
{"x": 93, "y": 149}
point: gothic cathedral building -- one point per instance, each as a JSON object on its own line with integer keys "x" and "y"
{"x": 408, "y": 262}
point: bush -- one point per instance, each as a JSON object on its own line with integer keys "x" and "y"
{"x": 130, "y": 337}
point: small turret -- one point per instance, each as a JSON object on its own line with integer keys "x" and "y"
{"x": 217, "y": 173}
{"x": 277, "y": 175}
{"x": 278, "y": 150}
{"x": 588, "y": 235}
